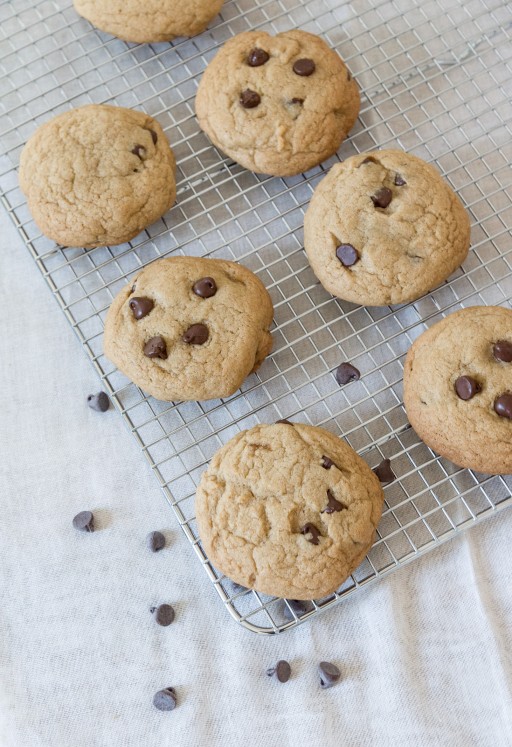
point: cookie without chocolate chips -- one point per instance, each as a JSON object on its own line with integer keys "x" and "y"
{"x": 149, "y": 20}
{"x": 277, "y": 104}
{"x": 288, "y": 510}
{"x": 458, "y": 388}
{"x": 187, "y": 328}
{"x": 384, "y": 228}
{"x": 97, "y": 175}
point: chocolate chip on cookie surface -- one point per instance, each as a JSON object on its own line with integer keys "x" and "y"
{"x": 190, "y": 328}
{"x": 97, "y": 175}
{"x": 384, "y": 228}
{"x": 277, "y": 104}
{"x": 274, "y": 518}
{"x": 458, "y": 392}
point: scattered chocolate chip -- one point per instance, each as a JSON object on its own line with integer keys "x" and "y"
{"x": 165, "y": 700}
{"x": 503, "y": 405}
{"x": 297, "y": 101}
{"x": 466, "y": 387}
{"x": 347, "y": 255}
{"x": 382, "y": 197}
{"x": 502, "y": 351}
{"x": 384, "y": 471}
{"x": 155, "y": 541}
{"x": 249, "y": 99}
{"x": 346, "y": 372}
{"x": 205, "y": 288}
{"x": 313, "y": 531}
{"x": 197, "y": 334}
{"x": 99, "y": 402}
{"x": 156, "y": 348}
{"x": 332, "y": 505}
{"x": 141, "y": 306}
{"x": 368, "y": 159}
{"x": 284, "y": 422}
{"x": 84, "y": 521}
{"x": 298, "y": 606}
{"x": 257, "y": 57}
{"x": 282, "y": 671}
{"x": 327, "y": 463}
{"x": 304, "y": 67}
{"x": 164, "y": 614}
{"x": 139, "y": 151}
{"x": 329, "y": 674}
{"x": 399, "y": 181}
{"x": 154, "y": 136}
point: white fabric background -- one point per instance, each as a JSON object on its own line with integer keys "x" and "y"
{"x": 425, "y": 654}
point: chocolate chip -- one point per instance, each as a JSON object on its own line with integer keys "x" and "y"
{"x": 141, "y": 306}
{"x": 297, "y": 101}
{"x": 298, "y": 606}
{"x": 155, "y": 541}
{"x": 99, "y": 402}
{"x": 284, "y": 422}
{"x": 349, "y": 75}
{"x": 368, "y": 159}
{"x": 154, "y": 136}
{"x": 346, "y": 372}
{"x": 466, "y": 387}
{"x": 347, "y": 255}
{"x": 164, "y": 614}
{"x": 165, "y": 700}
{"x": 329, "y": 674}
{"x": 313, "y": 531}
{"x": 84, "y": 521}
{"x": 384, "y": 471}
{"x": 205, "y": 288}
{"x": 332, "y": 505}
{"x": 249, "y": 99}
{"x": 282, "y": 671}
{"x": 304, "y": 67}
{"x": 156, "y": 348}
{"x": 382, "y": 197}
{"x": 399, "y": 181}
{"x": 503, "y": 405}
{"x": 133, "y": 288}
{"x": 197, "y": 334}
{"x": 502, "y": 351}
{"x": 139, "y": 151}
{"x": 257, "y": 57}
{"x": 327, "y": 463}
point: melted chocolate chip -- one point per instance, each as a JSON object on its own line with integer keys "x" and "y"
{"x": 257, "y": 57}
{"x": 133, "y": 288}
{"x": 141, "y": 306}
{"x": 205, "y": 288}
{"x": 326, "y": 462}
{"x": 466, "y": 387}
{"x": 313, "y": 531}
{"x": 346, "y": 372}
{"x": 347, "y": 255}
{"x": 249, "y": 99}
{"x": 382, "y": 197}
{"x": 297, "y": 101}
{"x": 154, "y": 136}
{"x": 139, "y": 151}
{"x": 503, "y": 405}
{"x": 368, "y": 159}
{"x": 384, "y": 471}
{"x": 304, "y": 67}
{"x": 165, "y": 700}
{"x": 197, "y": 334}
{"x": 349, "y": 75}
{"x": 399, "y": 181}
{"x": 332, "y": 505}
{"x": 156, "y": 348}
{"x": 502, "y": 351}
{"x": 284, "y": 422}
{"x": 84, "y": 521}
{"x": 282, "y": 671}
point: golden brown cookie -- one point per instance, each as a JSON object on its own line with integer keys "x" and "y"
{"x": 187, "y": 328}
{"x": 97, "y": 175}
{"x": 384, "y": 228}
{"x": 277, "y": 104}
{"x": 149, "y": 20}
{"x": 458, "y": 388}
{"x": 288, "y": 509}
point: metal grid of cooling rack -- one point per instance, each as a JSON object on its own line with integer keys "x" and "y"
{"x": 436, "y": 80}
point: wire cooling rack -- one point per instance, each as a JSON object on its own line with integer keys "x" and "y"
{"x": 436, "y": 80}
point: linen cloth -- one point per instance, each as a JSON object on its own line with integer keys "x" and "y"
{"x": 425, "y": 654}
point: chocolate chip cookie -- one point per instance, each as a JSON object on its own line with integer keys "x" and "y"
{"x": 277, "y": 104}
{"x": 288, "y": 510}
{"x": 149, "y": 20}
{"x": 384, "y": 228}
{"x": 97, "y": 175}
{"x": 458, "y": 388}
{"x": 187, "y": 328}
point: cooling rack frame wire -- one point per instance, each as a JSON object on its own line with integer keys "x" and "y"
{"x": 435, "y": 79}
